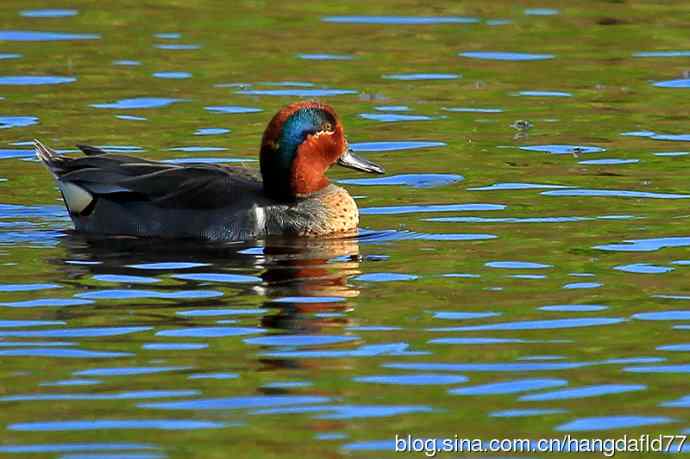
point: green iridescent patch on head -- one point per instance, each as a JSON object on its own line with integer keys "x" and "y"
{"x": 276, "y": 165}
{"x": 296, "y": 129}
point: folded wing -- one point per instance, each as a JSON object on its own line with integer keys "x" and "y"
{"x": 84, "y": 180}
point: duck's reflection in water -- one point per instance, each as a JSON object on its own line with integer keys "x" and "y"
{"x": 307, "y": 282}
{"x": 304, "y": 282}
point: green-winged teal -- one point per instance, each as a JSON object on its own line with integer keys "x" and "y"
{"x": 111, "y": 194}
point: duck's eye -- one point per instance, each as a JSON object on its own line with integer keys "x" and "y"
{"x": 327, "y": 127}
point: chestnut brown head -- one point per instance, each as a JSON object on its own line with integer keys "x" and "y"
{"x": 301, "y": 142}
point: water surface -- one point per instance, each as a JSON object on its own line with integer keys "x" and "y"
{"x": 521, "y": 270}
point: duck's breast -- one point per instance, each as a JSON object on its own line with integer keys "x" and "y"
{"x": 327, "y": 212}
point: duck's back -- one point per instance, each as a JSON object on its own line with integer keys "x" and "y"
{"x": 110, "y": 194}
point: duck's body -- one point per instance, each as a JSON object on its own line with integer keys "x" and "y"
{"x": 109, "y": 194}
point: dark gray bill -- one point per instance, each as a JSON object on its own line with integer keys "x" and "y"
{"x": 349, "y": 159}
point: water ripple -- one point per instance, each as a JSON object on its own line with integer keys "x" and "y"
{"x": 9, "y": 154}
{"x": 124, "y": 279}
{"x": 614, "y": 194}
{"x": 30, "y": 80}
{"x": 574, "y": 307}
{"x": 516, "y": 265}
{"x": 645, "y": 245}
{"x": 372, "y": 411}
{"x": 211, "y": 131}
{"x": 581, "y": 285}
{"x": 27, "y": 35}
{"x": 685, "y": 83}
{"x": 584, "y": 392}
{"x": 139, "y": 102}
{"x": 62, "y": 353}
{"x": 129, "y": 395}
{"x": 126, "y": 62}
{"x": 385, "y": 277}
{"x": 394, "y": 117}
{"x": 299, "y": 340}
{"x": 683, "y": 402}
{"x": 421, "y": 379}
{"x": 472, "y": 110}
{"x": 7, "y": 122}
{"x": 166, "y": 266}
{"x": 387, "y": 236}
{"x": 681, "y": 368}
{"x": 128, "y": 371}
{"x": 394, "y": 145}
{"x": 543, "y": 94}
{"x": 232, "y": 109}
{"x": 643, "y": 268}
{"x": 400, "y": 20}
{"x": 218, "y": 277}
{"x": 673, "y": 137}
{"x": 612, "y": 422}
{"x": 46, "y": 302}
{"x": 421, "y": 76}
{"x": 168, "y": 35}
{"x": 115, "y": 424}
{"x": 172, "y": 75}
{"x": 325, "y": 57}
{"x": 220, "y": 312}
{"x": 662, "y": 315}
{"x": 412, "y": 180}
{"x": 237, "y": 403}
{"x": 539, "y": 324}
{"x": 608, "y": 161}
{"x": 114, "y": 456}
{"x": 174, "y": 346}
{"x": 558, "y": 149}
{"x": 28, "y": 323}
{"x": 130, "y": 118}
{"x": 210, "y": 332}
{"x": 71, "y": 382}
{"x": 662, "y": 54}
{"x": 48, "y": 13}
{"x": 125, "y": 294}
{"x": 509, "y": 367}
{"x": 464, "y": 315}
{"x": 296, "y": 92}
{"x": 509, "y": 387}
{"x": 517, "y": 186}
{"x": 477, "y": 341}
{"x": 370, "y": 350}
{"x": 86, "y": 332}
{"x": 541, "y": 12}
{"x": 74, "y": 447}
{"x": 526, "y": 412}
{"x": 27, "y": 287}
{"x": 213, "y": 376}
{"x": 506, "y": 56}
{"x": 398, "y": 210}
{"x": 177, "y": 46}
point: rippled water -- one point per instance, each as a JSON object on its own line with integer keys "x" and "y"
{"x": 521, "y": 269}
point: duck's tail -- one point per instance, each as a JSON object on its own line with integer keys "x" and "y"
{"x": 77, "y": 199}
{"x": 50, "y": 158}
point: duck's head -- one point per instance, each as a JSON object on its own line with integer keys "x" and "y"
{"x": 300, "y": 143}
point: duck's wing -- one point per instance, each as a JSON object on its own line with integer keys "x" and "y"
{"x": 124, "y": 178}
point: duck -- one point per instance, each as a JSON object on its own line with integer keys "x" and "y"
{"x": 110, "y": 194}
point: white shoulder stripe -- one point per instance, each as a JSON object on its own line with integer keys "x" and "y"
{"x": 260, "y": 216}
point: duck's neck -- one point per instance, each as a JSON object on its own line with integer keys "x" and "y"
{"x": 304, "y": 175}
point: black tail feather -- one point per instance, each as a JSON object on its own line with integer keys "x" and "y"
{"x": 91, "y": 151}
